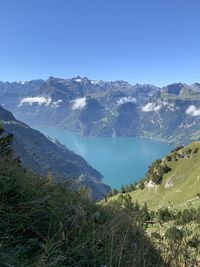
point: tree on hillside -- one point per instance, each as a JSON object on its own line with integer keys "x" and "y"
{"x": 5, "y": 143}
{"x": 144, "y": 214}
{"x": 141, "y": 185}
{"x": 177, "y": 149}
{"x": 164, "y": 215}
{"x": 173, "y": 234}
{"x": 123, "y": 189}
{"x": 129, "y": 188}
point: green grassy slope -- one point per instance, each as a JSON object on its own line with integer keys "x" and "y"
{"x": 184, "y": 179}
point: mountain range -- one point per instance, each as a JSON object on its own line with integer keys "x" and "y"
{"x": 99, "y": 108}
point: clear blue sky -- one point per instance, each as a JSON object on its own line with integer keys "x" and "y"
{"x": 144, "y": 41}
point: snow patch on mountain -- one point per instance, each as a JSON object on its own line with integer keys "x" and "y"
{"x": 78, "y": 103}
{"x": 126, "y": 99}
{"x": 78, "y": 80}
{"x": 193, "y": 111}
{"x": 94, "y": 82}
{"x": 21, "y": 82}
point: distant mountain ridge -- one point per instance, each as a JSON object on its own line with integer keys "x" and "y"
{"x": 43, "y": 156}
{"x": 98, "y": 108}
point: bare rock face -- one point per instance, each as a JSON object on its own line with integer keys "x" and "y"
{"x": 150, "y": 184}
{"x": 169, "y": 183}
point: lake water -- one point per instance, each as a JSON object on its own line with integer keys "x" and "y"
{"x": 120, "y": 160}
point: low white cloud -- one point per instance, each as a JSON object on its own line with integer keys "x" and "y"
{"x": 40, "y": 100}
{"x": 151, "y": 107}
{"x": 126, "y": 99}
{"x": 193, "y": 111}
{"x": 78, "y": 103}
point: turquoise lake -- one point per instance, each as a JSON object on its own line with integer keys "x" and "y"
{"x": 120, "y": 160}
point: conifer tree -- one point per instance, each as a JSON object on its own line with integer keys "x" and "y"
{"x": 5, "y": 143}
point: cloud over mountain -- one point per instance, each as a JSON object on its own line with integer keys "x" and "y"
{"x": 79, "y": 103}
{"x": 40, "y": 100}
{"x": 126, "y": 99}
{"x": 193, "y": 111}
{"x": 151, "y": 107}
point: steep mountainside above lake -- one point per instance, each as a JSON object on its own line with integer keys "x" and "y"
{"x": 43, "y": 155}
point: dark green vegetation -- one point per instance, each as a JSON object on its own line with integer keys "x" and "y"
{"x": 175, "y": 233}
{"x": 43, "y": 156}
{"x": 156, "y": 171}
{"x": 43, "y": 223}
{"x": 98, "y": 108}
